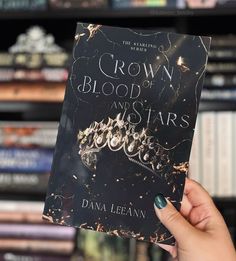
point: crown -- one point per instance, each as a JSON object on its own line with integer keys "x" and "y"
{"x": 117, "y": 134}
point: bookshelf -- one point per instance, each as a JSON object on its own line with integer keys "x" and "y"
{"x": 191, "y": 21}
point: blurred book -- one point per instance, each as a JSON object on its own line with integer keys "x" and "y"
{"x": 78, "y": 3}
{"x": 14, "y": 256}
{"x": 144, "y": 3}
{"x": 9, "y": 5}
{"x": 28, "y": 231}
{"x": 24, "y": 160}
{"x": 32, "y": 92}
{"x": 28, "y": 134}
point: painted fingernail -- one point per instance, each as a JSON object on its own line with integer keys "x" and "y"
{"x": 160, "y": 201}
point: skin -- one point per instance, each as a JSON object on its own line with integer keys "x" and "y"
{"x": 199, "y": 229}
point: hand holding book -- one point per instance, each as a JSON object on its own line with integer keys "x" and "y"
{"x": 200, "y": 232}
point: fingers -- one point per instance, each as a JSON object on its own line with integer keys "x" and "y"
{"x": 196, "y": 194}
{"x": 172, "y": 219}
{"x": 186, "y": 207}
{"x": 171, "y": 249}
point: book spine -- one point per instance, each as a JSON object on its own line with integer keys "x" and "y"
{"x": 220, "y": 80}
{"x": 226, "y": 95}
{"x": 223, "y": 54}
{"x": 27, "y": 134}
{"x": 39, "y": 246}
{"x": 33, "y": 75}
{"x": 21, "y": 206}
{"x": 34, "y": 61}
{"x": 221, "y": 67}
{"x": 23, "y": 183}
{"x": 22, "y": 5}
{"x": 36, "y": 231}
{"x": 40, "y": 92}
{"x": 224, "y": 154}
{"x": 11, "y": 256}
{"x": 208, "y": 141}
{"x": 25, "y": 160}
{"x": 234, "y": 155}
{"x": 78, "y": 4}
{"x": 194, "y": 162}
{"x": 19, "y": 216}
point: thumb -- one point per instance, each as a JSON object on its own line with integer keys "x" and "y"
{"x": 172, "y": 219}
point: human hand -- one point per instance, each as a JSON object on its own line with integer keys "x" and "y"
{"x": 200, "y": 232}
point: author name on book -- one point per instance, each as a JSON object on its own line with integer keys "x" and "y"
{"x": 114, "y": 209}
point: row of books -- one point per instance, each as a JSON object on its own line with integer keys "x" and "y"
{"x": 65, "y": 4}
{"x": 220, "y": 82}
{"x": 25, "y": 236}
{"x": 212, "y": 160}
{"x": 26, "y": 151}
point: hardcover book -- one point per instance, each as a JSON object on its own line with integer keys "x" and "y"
{"x": 126, "y": 129}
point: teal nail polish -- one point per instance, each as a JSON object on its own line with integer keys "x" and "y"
{"x": 160, "y": 201}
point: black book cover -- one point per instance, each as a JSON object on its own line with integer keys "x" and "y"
{"x": 126, "y": 129}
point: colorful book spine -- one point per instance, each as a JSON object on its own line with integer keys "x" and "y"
{"x": 25, "y": 160}
{"x": 28, "y": 134}
{"x": 23, "y": 231}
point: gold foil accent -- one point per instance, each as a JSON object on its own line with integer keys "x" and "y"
{"x": 182, "y": 167}
{"x": 182, "y": 64}
{"x": 92, "y": 30}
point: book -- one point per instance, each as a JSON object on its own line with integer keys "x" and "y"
{"x": 195, "y": 156}
{"x": 78, "y": 3}
{"x": 224, "y": 154}
{"x": 36, "y": 60}
{"x": 147, "y": 3}
{"x": 23, "y": 231}
{"x": 12, "y": 5}
{"x": 10, "y": 256}
{"x": 209, "y": 149}
{"x": 220, "y": 80}
{"x": 21, "y": 206}
{"x": 19, "y": 216}
{"x": 33, "y": 75}
{"x": 32, "y": 92}
{"x": 37, "y": 246}
{"x": 229, "y": 67}
{"x": 219, "y": 95}
{"x": 126, "y": 129}
{"x": 27, "y": 183}
{"x": 28, "y": 134}
{"x": 24, "y": 160}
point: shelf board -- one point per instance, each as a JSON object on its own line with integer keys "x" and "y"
{"x": 114, "y": 13}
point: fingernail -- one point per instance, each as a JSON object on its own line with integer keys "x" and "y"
{"x": 160, "y": 201}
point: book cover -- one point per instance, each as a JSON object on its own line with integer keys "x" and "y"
{"x": 126, "y": 129}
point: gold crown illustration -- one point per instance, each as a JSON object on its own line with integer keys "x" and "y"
{"x": 117, "y": 134}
